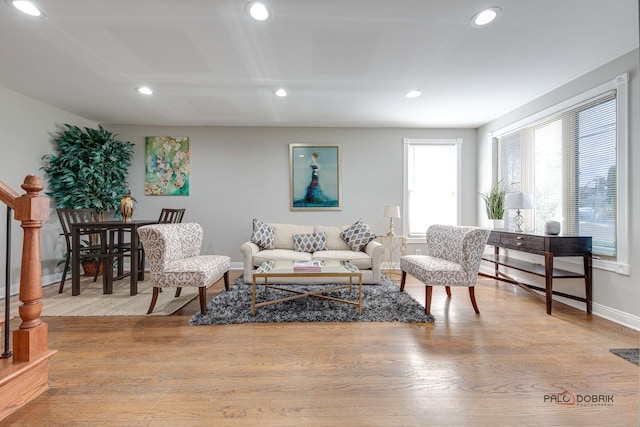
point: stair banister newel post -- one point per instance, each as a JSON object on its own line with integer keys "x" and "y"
{"x": 27, "y": 377}
{"x": 30, "y": 340}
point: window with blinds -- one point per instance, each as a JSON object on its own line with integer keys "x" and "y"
{"x": 568, "y": 162}
{"x": 431, "y": 184}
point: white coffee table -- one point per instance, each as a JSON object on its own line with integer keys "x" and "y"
{"x": 272, "y": 269}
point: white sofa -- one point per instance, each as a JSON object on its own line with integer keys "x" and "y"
{"x": 367, "y": 260}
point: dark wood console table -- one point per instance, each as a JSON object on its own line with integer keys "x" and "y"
{"x": 548, "y": 246}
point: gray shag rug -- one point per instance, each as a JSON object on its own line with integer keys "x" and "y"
{"x": 380, "y": 303}
{"x": 630, "y": 354}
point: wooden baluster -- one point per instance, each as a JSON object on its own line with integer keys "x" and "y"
{"x": 30, "y": 341}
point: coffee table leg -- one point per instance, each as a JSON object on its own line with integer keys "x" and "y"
{"x": 253, "y": 297}
{"x": 360, "y": 296}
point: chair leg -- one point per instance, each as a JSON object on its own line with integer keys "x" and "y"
{"x": 64, "y": 274}
{"x": 154, "y": 298}
{"x": 427, "y": 299}
{"x": 226, "y": 280}
{"x": 178, "y": 290}
{"x": 472, "y": 294}
{"x": 95, "y": 276}
{"x": 203, "y": 299}
{"x": 402, "y": 280}
{"x": 448, "y": 289}
{"x": 141, "y": 262}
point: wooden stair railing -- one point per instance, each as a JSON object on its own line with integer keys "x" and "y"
{"x": 25, "y": 376}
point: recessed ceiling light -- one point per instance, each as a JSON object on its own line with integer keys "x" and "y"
{"x": 258, "y": 11}
{"x": 485, "y": 17}
{"x": 412, "y": 94}
{"x": 27, "y": 7}
{"x": 145, "y": 90}
{"x": 281, "y": 93}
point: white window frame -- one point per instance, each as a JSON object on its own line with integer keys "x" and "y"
{"x": 621, "y": 85}
{"x": 407, "y": 142}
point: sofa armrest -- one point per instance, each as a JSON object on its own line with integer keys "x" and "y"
{"x": 249, "y": 250}
{"x": 376, "y": 251}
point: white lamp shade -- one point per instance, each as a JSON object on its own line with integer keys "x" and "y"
{"x": 519, "y": 201}
{"x": 391, "y": 212}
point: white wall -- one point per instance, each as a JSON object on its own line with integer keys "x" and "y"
{"x": 615, "y": 296}
{"x": 28, "y": 127}
{"x": 238, "y": 173}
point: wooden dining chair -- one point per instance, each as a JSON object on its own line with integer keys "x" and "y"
{"x": 91, "y": 246}
{"x": 167, "y": 216}
{"x": 170, "y": 216}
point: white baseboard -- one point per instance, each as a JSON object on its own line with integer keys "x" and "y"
{"x": 615, "y": 316}
{"x": 53, "y": 279}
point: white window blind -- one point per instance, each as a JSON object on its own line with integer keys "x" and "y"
{"x": 568, "y": 162}
{"x": 432, "y": 184}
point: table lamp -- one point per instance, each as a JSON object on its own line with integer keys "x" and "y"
{"x": 518, "y": 201}
{"x": 391, "y": 212}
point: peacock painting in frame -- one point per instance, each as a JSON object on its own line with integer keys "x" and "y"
{"x": 167, "y": 166}
{"x": 315, "y": 177}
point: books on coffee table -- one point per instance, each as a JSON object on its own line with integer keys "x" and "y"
{"x": 309, "y": 266}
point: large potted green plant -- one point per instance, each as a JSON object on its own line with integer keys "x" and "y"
{"x": 89, "y": 170}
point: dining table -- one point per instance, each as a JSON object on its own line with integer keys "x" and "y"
{"x": 113, "y": 238}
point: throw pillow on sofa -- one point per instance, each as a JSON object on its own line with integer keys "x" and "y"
{"x": 263, "y": 235}
{"x": 309, "y": 242}
{"x": 357, "y": 235}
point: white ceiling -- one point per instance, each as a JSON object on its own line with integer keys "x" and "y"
{"x": 344, "y": 62}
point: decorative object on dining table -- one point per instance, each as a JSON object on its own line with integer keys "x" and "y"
{"x": 167, "y": 166}
{"x": 127, "y": 206}
{"x": 552, "y": 228}
{"x": 518, "y": 201}
{"x": 391, "y": 212}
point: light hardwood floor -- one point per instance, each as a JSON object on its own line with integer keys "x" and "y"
{"x": 492, "y": 369}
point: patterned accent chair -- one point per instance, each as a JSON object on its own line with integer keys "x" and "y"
{"x": 453, "y": 259}
{"x": 173, "y": 252}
